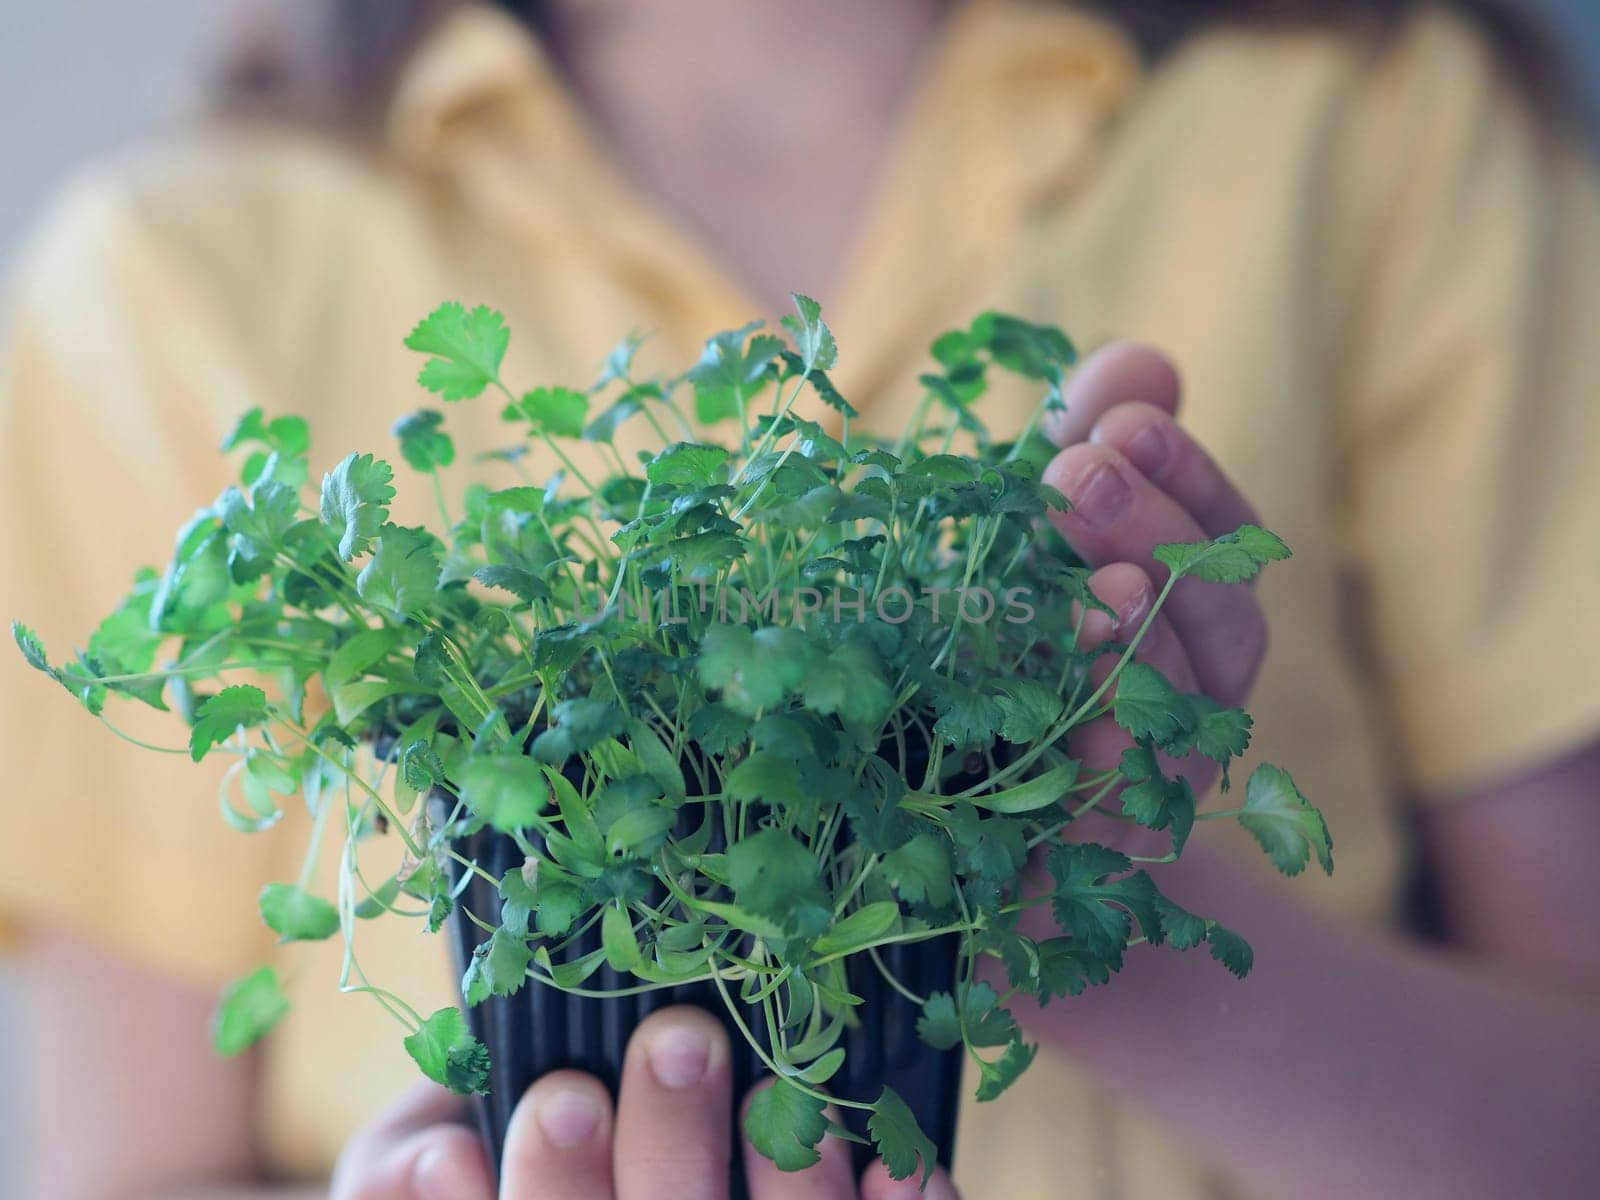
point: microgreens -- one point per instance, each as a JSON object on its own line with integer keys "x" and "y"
{"x": 754, "y": 708}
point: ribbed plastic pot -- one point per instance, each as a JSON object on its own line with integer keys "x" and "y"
{"x": 542, "y": 1029}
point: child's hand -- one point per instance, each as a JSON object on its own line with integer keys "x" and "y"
{"x": 669, "y": 1136}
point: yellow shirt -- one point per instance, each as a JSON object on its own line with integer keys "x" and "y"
{"x": 1379, "y": 282}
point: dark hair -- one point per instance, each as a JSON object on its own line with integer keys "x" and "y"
{"x": 338, "y": 65}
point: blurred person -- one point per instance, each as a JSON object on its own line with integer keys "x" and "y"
{"x": 1366, "y": 236}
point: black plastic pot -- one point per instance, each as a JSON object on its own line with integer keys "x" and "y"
{"x": 541, "y": 1029}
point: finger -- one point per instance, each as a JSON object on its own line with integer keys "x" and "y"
{"x": 1130, "y": 593}
{"x": 1168, "y": 457}
{"x": 1121, "y": 373}
{"x": 558, "y": 1144}
{"x": 877, "y": 1185}
{"x": 673, "y": 1135}
{"x": 415, "y": 1150}
{"x": 832, "y": 1177}
{"x": 1119, "y": 516}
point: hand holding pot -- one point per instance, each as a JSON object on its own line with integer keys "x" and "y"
{"x": 668, "y": 1137}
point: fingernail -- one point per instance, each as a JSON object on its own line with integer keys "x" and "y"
{"x": 568, "y": 1117}
{"x": 1148, "y": 450}
{"x": 1129, "y": 622}
{"x": 679, "y": 1056}
{"x": 1105, "y": 498}
{"x": 441, "y": 1175}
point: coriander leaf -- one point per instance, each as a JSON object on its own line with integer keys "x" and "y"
{"x": 1180, "y": 928}
{"x": 295, "y": 915}
{"x": 1218, "y": 733}
{"x": 773, "y": 875}
{"x": 520, "y": 582}
{"x": 980, "y": 1022}
{"x": 687, "y": 466}
{"x": 420, "y": 766}
{"x": 966, "y": 717}
{"x": 554, "y": 412}
{"x": 900, "y": 1140}
{"x": 1000, "y": 1074}
{"x": 558, "y": 907}
{"x": 506, "y": 790}
{"x": 402, "y": 577}
{"x": 1028, "y": 708}
{"x": 785, "y": 1124}
{"x": 468, "y": 349}
{"x": 1067, "y": 968}
{"x": 728, "y": 374}
{"x": 1092, "y": 907}
{"x": 499, "y": 967}
{"x": 1149, "y": 707}
{"x": 1232, "y": 558}
{"x": 939, "y": 1025}
{"x": 248, "y": 1010}
{"x": 812, "y": 338}
{"x": 862, "y": 927}
{"x": 1284, "y": 821}
{"x": 355, "y": 502}
{"x": 579, "y": 724}
{"x": 1229, "y": 949}
{"x": 920, "y": 870}
{"x": 32, "y": 649}
{"x": 618, "y": 940}
{"x": 1153, "y": 800}
{"x": 423, "y": 442}
{"x": 231, "y": 709}
{"x": 448, "y": 1054}
{"x": 352, "y": 659}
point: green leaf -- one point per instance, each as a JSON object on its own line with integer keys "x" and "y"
{"x": 423, "y": 442}
{"x": 233, "y": 708}
{"x": 355, "y": 502}
{"x": 921, "y": 870}
{"x": 1229, "y": 949}
{"x": 980, "y": 1022}
{"x": 812, "y": 338}
{"x": 1028, "y": 708}
{"x": 32, "y": 649}
{"x": 729, "y": 374}
{"x": 774, "y": 876}
{"x": 785, "y": 1124}
{"x": 1093, "y": 908}
{"x": 579, "y": 724}
{"x": 862, "y": 927}
{"x": 248, "y": 1010}
{"x": 521, "y": 583}
{"x": 687, "y": 466}
{"x": 295, "y": 915}
{"x": 508, "y": 791}
{"x": 1284, "y": 821}
{"x": 552, "y": 411}
{"x": 468, "y": 349}
{"x": 558, "y": 907}
{"x": 618, "y": 940}
{"x": 1149, "y": 707}
{"x": 755, "y": 671}
{"x": 1000, "y": 1074}
{"x": 402, "y": 577}
{"x": 448, "y": 1054}
{"x": 360, "y": 652}
{"x": 1231, "y": 558}
{"x": 1036, "y": 793}
{"x": 499, "y": 967}
{"x": 900, "y": 1140}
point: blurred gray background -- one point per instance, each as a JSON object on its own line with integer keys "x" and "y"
{"x": 79, "y": 77}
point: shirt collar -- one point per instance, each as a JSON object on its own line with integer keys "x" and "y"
{"x": 1012, "y": 57}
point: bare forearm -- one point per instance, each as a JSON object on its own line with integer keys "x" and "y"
{"x": 1348, "y": 1063}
